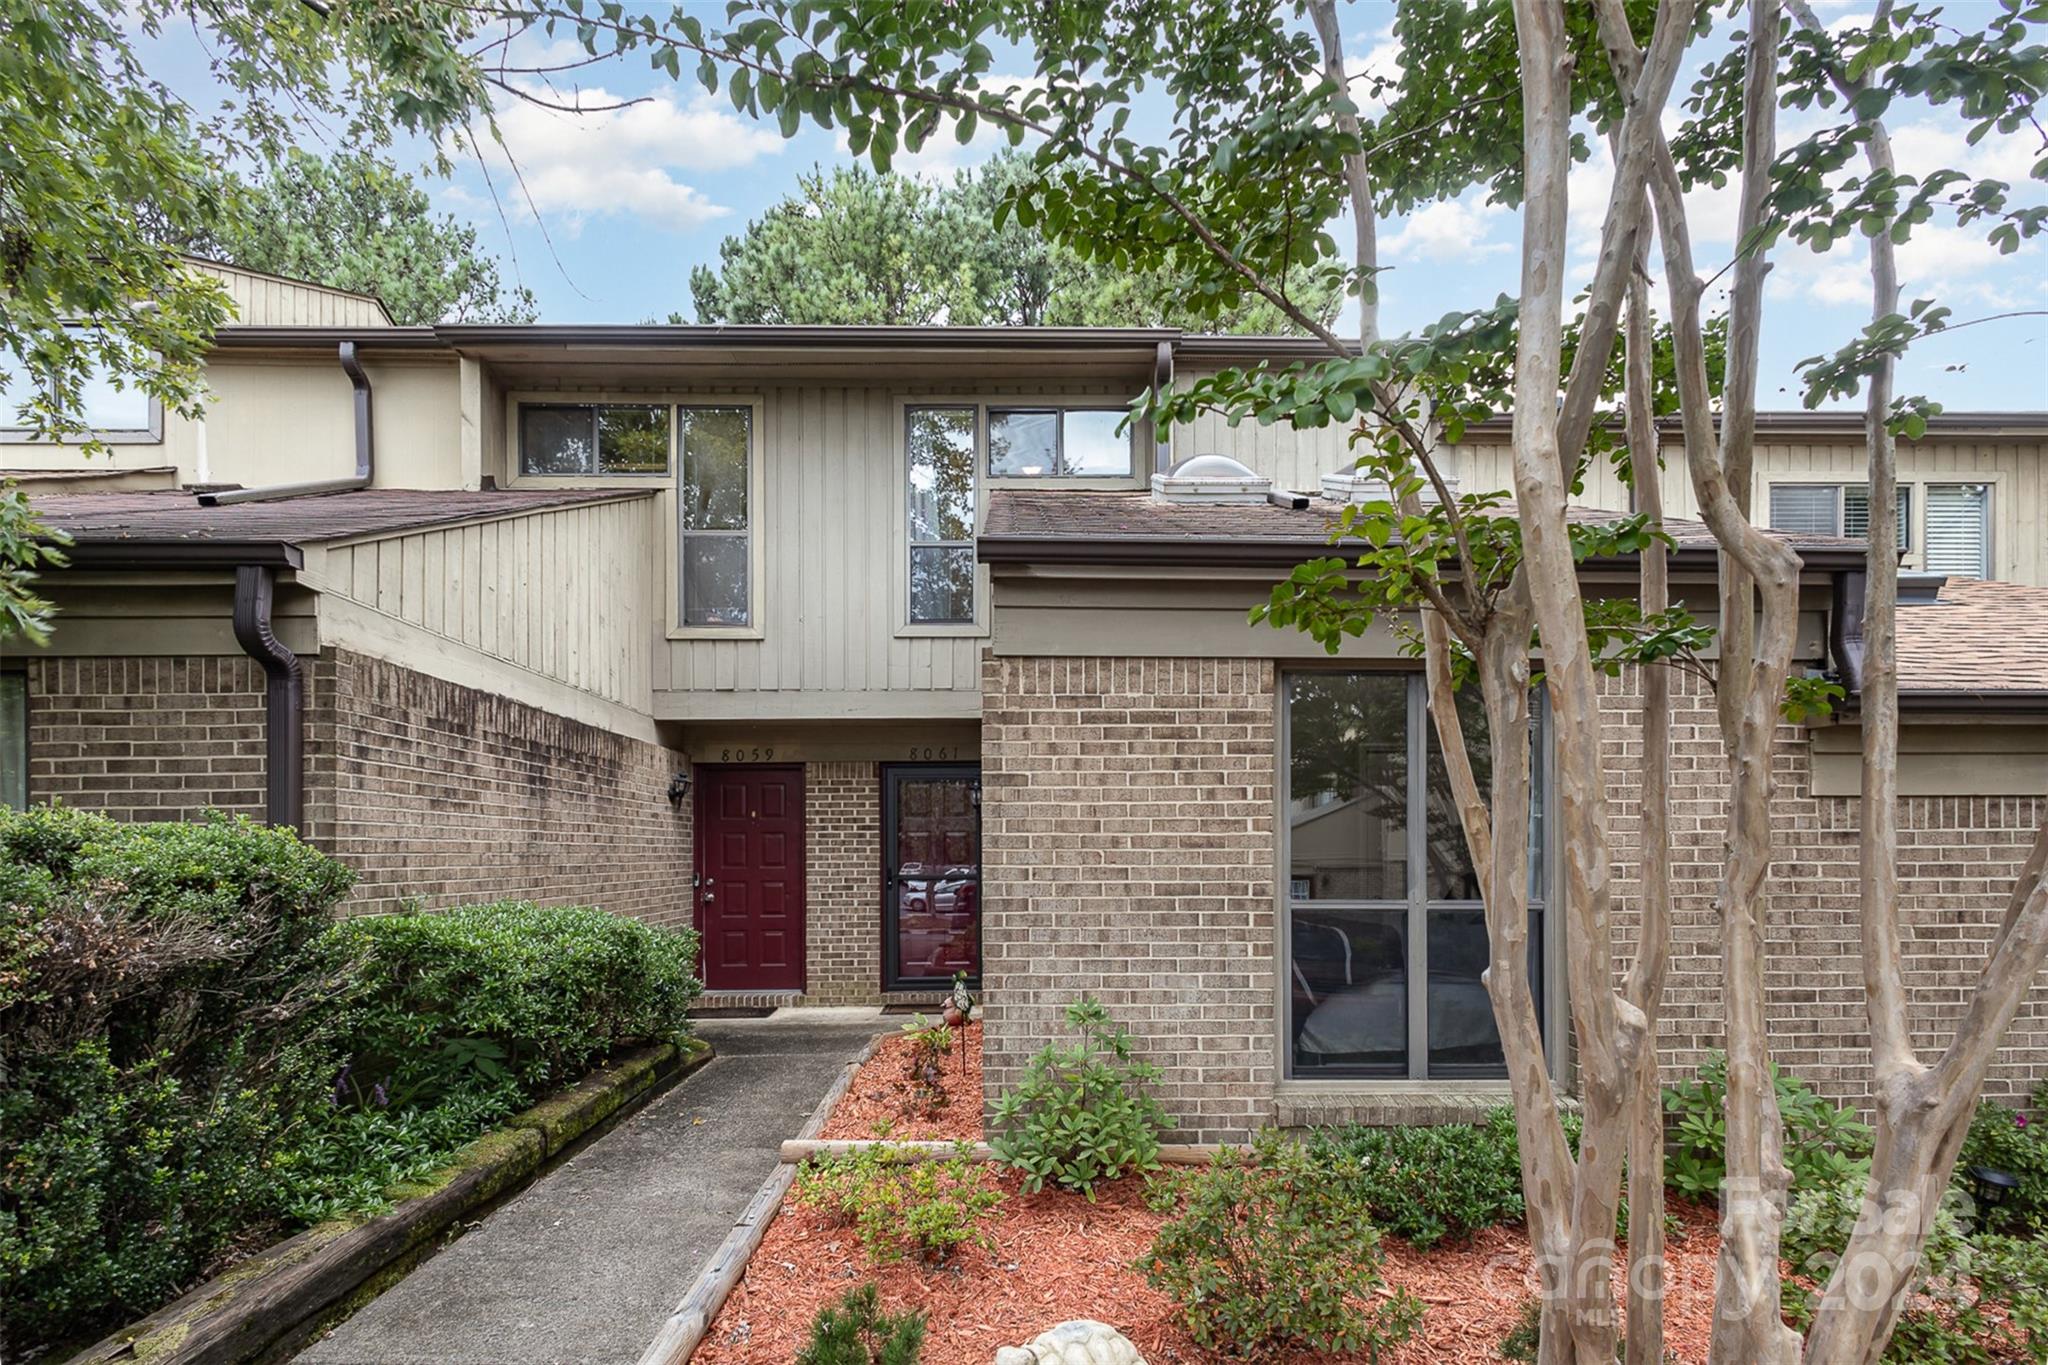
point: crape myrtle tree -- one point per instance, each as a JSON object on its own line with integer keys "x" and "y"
{"x": 1271, "y": 147}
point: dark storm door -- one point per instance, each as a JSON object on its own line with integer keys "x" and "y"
{"x": 931, "y": 874}
{"x": 750, "y": 877}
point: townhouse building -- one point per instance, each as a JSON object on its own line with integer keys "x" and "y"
{"x": 883, "y": 655}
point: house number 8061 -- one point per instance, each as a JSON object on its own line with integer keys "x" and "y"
{"x": 926, "y": 753}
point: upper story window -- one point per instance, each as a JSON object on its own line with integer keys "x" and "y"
{"x": 715, "y": 528}
{"x": 1835, "y": 509}
{"x": 1955, "y": 534}
{"x": 1386, "y": 931}
{"x": 593, "y": 439}
{"x": 107, "y": 410}
{"x": 1039, "y": 443}
{"x": 1959, "y": 529}
{"x": 940, "y": 449}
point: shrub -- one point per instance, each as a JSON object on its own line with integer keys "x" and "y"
{"x": 2014, "y": 1271}
{"x": 168, "y": 996}
{"x": 1825, "y": 1144}
{"x": 1082, "y": 1114}
{"x": 1942, "y": 1321}
{"x": 901, "y": 1204}
{"x": 855, "y": 1331}
{"x": 1271, "y": 1253}
{"x": 2012, "y": 1141}
{"x": 929, "y": 1044}
{"x": 509, "y": 994}
{"x": 1426, "y": 1184}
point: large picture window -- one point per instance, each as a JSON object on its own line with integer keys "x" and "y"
{"x": 715, "y": 522}
{"x": 1386, "y": 933}
{"x": 941, "y": 477}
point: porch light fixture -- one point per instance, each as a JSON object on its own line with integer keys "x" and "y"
{"x": 1992, "y": 1186}
{"x": 678, "y": 788}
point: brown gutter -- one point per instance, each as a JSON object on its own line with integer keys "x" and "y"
{"x": 366, "y": 450}
{"x": 284, "y": 701}
{"x": 1199, "y": 550}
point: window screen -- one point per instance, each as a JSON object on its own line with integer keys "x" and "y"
{"x": 715, "y": 524}
{"x": 1959, "y": 529}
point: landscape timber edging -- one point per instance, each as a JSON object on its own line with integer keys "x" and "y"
{"x": 278, "y": 1299}
{"x": 685, "y": 1328}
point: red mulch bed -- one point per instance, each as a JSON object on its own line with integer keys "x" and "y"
{"x": 1056, "y": 1256}
{"x": 882, "y": 1094}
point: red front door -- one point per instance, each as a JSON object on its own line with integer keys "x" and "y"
{"x": 750, "y": 877}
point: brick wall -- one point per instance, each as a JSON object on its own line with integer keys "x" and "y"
{"x": 1957, "y": 861}
{"x": 446, "y": 795}
{"x": 1128, "y": 852}
{"x": 843, "y": 874}
{"x": 147, "y": 738}
{"x": 430, "y": 791}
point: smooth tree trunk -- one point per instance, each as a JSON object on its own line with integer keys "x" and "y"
{"x": 1645, "y": 988}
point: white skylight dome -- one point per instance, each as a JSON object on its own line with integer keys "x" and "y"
{"x": 1211, "y": 479}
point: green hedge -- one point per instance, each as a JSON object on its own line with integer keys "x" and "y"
{"x": 195, "y": 1055}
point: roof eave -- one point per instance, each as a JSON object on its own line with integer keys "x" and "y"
{"x": 172, "y": 553}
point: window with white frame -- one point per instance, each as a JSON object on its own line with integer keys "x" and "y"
{"x": 1959, "y": 529}
{"x": 940, "y": 446}
{"x": 1386, "y": 933}
{"x": 1834, "y": 509}
{"x": 714, "y": 520}
{"x": 600, "y": 440}
{"x": 1048, "y": 443}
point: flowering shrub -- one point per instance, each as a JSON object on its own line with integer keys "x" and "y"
{"x": 2009, "y": 1140}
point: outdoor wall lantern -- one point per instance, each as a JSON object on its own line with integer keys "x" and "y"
{"x": 678, "y": 788}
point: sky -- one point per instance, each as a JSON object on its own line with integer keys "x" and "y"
{"x": 617, "y": 207}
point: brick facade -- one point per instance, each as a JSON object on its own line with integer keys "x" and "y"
{"x": 432, "y": 792}
{"x": 1131, "y": 853}
{"x": 148, "y": 738}
{"x": 447, "y": 795}
{"x": 843, "y": 874}
{"x": 1128, "y": 852}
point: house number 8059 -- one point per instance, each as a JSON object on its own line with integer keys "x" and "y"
{"x": 757, "y": 754}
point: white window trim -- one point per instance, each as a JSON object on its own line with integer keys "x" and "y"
{"x": 1918, "y": 480}
{"x": 1558, "y": 1049}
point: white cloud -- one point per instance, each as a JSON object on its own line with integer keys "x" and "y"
{"x": 1449, "y": 230}
{"x": 622, "y": 160}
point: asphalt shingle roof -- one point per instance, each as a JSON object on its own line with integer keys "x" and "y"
{"x": 176, "y": 517}
{"x": 1979, "y": 636}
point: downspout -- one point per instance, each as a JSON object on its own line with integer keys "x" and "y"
{"x": 365, "y": 451}
{"x": 1845, "y": 630}
{"x": 284, "y": 701}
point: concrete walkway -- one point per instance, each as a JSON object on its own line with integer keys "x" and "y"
{"x": 584, "y": 1266}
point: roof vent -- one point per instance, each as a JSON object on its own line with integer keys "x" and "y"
{"x": 1210, "y": 479}
{"x": 1921, "y": 589}
{"x": 1352, "y": 485}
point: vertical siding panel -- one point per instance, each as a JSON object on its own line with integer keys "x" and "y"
{"x": 390, "y": 580}
{"x": 433, "y": 570}
{"x": 494, "y": 604}
{"x": 830, "y": 455}
{"x": 413, "y": 585}
{"x": 788, "y": 476}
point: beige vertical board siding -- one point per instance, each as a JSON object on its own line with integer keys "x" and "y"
{"x": 269, "y": 301}
{"x": 832, "y": 483}
{"x": 558, "y": 593}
